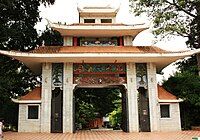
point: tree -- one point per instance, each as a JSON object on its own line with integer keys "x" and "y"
{"x": 186, "y": 85}
{"x": 179, "y": 17}
{"x": 17, "y": 32}
{"x": 115, "y": 117}
{"x": 50, "y": 38}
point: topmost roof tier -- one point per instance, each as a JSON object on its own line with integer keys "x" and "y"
{"x": 95, "y": 11}
{"x": 98, "y": 21}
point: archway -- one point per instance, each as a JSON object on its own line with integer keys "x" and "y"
{"x": 96, "y": 102}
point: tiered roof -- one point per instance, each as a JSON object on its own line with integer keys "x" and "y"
{"x": 98, "y": 54}
{"x": 96, "y": 29}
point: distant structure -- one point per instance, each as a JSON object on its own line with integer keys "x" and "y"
{"x": 98, "y": 52}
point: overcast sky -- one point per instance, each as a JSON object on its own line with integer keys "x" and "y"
{"x": 66, "y": 11}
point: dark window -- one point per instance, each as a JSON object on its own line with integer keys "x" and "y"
{"x": 164, "y": 111}
{"x": 33, "y": 112}
{"x": 106, "y": 20}
{"x": 89, "y": 20}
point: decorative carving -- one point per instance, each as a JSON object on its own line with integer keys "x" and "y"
{"x": 99, "y": 68}
{"x": 99, "y": 73}
{"x": 99, "y": 42}
{"x": 46, "y": 66}
{"x": 141, "y": 75}
{"x": 57, "y": 75}
{"x": 99, "y": 80}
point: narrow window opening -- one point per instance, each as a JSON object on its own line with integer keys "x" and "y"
{"x": 33, "y": 112}
{"x": 164, "y": 111}
{"x": 106, "y": 20}
{"x": 89, "y": 20}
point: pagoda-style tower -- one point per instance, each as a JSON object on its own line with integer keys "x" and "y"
{"x": 98, "y": 52}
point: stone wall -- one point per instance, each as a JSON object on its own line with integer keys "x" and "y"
{"x": 173, "y": 123}
{"x": 46, "y": 98}
{"x": 67, "y": 41}
{"x": 153, "y": 97}
{"x": 25, "y": 124}
{"x": 128, "y": 40}
{"x": 68, "y": 98}
{"x": 132, "y": 98}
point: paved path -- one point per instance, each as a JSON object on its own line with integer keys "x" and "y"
{"x": 103, "y": 135}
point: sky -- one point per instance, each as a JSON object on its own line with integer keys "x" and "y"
{"x": 65, "y": 11}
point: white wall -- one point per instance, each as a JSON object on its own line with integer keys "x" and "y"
{"x": 46, "y": 98}
{"x": 68, "y": 98}
{"x": 68, "y": 41}
{"x": 132, "y": 98}
{"x": 128, "y": 40}
{"x": 153, "y": 96}
{"x": 173, "y": 123}
{"x": 25, "y": 124}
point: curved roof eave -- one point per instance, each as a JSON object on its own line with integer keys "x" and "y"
{"x": 26, "y": 101}
{"x": 34, "y": 60}
{"x": 111, "y": 29}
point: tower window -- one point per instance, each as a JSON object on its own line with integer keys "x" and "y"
{"x": 164, "y": 111}
{"x": 89, "y": 20}
{"x": 106, "y": 20}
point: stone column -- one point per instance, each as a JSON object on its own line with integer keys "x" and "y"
{"x": 132, "y": 98}
{"x": 128, "y": 41}
{"x": 46, "y": 98}
{"x": 68, "y": 98}
{"x": 68, "y": 41}
{"x": 153, "y": 97}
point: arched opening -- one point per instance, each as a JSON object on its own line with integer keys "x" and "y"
{"x": 100, "y": 108}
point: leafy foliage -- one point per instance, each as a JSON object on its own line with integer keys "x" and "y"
{"x": 94, "y": 102}
{"x": 179, "y": 17}
{"x": 50, "y": 38}
{"x": 116, "y": 116}
{"x": 188, "y": 65}
{"x": 17, "y": 21}
{"x": 186, "y": 85}
{"x": 174, "y": 17}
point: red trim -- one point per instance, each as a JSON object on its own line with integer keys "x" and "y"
{"x": 75, "y": 41}
{"x": 121, "y": 41}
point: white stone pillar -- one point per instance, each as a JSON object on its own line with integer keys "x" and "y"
{"x": 68, "y": 98}
{"x": 153, "y": 97}
{"x": 97, "y": 20}
{"x": 68, "y": 41}
{"x": 132, "y": 98}
{"x": 128, "y": 40}
{"x": 46, "y": 98}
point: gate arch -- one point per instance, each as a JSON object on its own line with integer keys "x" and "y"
{"x": 123, "y": 91}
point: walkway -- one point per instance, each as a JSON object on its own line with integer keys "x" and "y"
{"x": 103, "y": 135}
